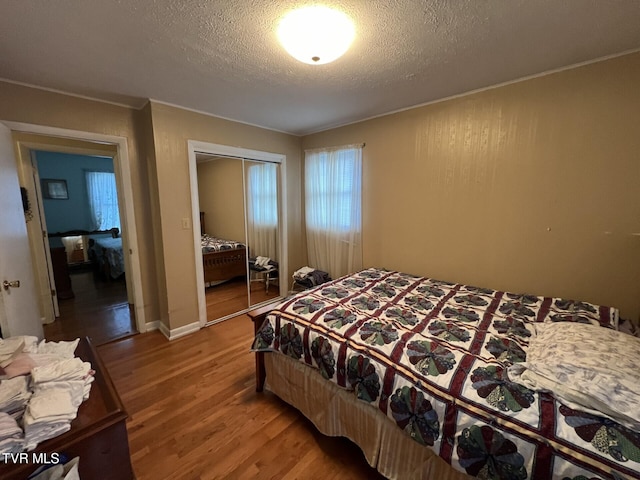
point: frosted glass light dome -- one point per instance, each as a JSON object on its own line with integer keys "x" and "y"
{"x": 316, "y": 35}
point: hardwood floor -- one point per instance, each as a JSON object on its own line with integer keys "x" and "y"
{"x": 99, "y": 310}
{"x": 231, "y": 297}
{"x": 194, "y": 413}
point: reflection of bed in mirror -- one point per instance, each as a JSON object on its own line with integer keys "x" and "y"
{"x": 221, "y": 259}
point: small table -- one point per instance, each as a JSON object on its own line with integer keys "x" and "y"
{"x": 264, "y": 273}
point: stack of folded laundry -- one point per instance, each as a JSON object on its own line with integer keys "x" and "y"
{"x": 48, "y": 415}
{"x": 310, "y": 277}
{"x": 71, "y": 374}
{"x": 14, "y": 396}
{"x": 42, "y": 385}
{"x": 11, "y": 436}
{"x": 58, "y": 390}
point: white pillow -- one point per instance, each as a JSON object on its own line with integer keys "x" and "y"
{"x": 595, "y": 368}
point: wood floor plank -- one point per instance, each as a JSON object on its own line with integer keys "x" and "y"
{"x": 194, "y": 413}
{"x": 98, "y": 310}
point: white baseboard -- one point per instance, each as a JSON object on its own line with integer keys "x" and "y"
{"x": 164, "y": 330}
{"x": 181, "y": 331}
{"x": 176, "y": 332}
{"x": 155, "y": 325}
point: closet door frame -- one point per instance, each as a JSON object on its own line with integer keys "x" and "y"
{"x": 195, "y": 146}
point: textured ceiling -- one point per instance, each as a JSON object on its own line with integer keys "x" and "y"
{"x": 223, "y": 58}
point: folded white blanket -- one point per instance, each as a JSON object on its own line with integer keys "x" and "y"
{"x": 33, "y": 436}
{"x": 76, "y": 389}
{"x": 50, "y": 405}
{"x": 12, "y": 388}
{"x": 69, "y": 369}
{"x": 63, "y": 349}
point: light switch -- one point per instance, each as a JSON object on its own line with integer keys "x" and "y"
{"x": 185, "y": 223}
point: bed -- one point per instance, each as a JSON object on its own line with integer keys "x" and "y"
{"x": 104, "y": 250}
{"x": 427, "y": 378}
{"x": 221, "y": 259}
{"x": 107, "y": 254}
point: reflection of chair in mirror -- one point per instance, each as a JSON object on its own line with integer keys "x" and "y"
{"x": 264, "y": 269}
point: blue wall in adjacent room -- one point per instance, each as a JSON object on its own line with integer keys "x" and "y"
{"x": 74, "y": 213}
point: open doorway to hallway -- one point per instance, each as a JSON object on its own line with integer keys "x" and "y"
{"x": 81, "y": 218}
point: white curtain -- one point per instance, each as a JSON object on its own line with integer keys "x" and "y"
{"x": 103, "y": 200}
{"x": 333, "y": 198}
{"x": 262, "y": 210}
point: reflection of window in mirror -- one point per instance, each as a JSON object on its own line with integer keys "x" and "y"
{"x": 262, "y": 209}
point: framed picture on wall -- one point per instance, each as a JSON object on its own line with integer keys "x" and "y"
{"x": 54, "y": 189}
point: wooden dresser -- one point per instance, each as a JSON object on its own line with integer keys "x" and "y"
{"x": 98, "y": 435}
{"x": 61, "y": 273}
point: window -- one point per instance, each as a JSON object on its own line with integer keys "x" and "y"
{"x": 262, "y": 195}
{"x": 262, "y": 209}
{"x": 333, "y": 191}
{"x": 103, "y": 200}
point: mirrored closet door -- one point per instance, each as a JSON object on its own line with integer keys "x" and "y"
{"x": 223, "y": 236}
{"x": 261, "y": 201}
{"x": 239, "y": 219}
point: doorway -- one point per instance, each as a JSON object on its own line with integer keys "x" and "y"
{"x": 81, "y": 216}
{"x": 34, "y": 137}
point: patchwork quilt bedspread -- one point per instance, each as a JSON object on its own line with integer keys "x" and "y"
{"x": 433, "y": 355}
{"x": 112, "y": 248}
{"x": 213, "y": 244}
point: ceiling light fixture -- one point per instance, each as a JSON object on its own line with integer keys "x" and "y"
{"x": 316, "y": 35}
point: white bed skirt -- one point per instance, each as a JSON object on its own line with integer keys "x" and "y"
{"x": 337, "y": 413}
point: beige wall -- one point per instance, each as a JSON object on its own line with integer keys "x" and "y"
{"x": 33, "y": 106}
{"x": 157, "y": 142}
{"x": 530, "y": 187}
{"x": 221, "y": 195}
{"x": 172, "y": 128}
{"x": 156, "y": 274}
{"x": 527, "y": 187}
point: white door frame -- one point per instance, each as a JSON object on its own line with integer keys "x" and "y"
{"x": 43, "y": 238}
{"x": 194, "y": 146}
{"x": 122, "y": 170}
